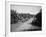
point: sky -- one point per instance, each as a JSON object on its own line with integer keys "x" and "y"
{"x": 26, "y": 8}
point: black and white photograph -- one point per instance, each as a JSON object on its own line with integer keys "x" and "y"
{"x": 25, "y": 18}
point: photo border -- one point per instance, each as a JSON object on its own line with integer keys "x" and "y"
{"x": 7, "y": 16}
